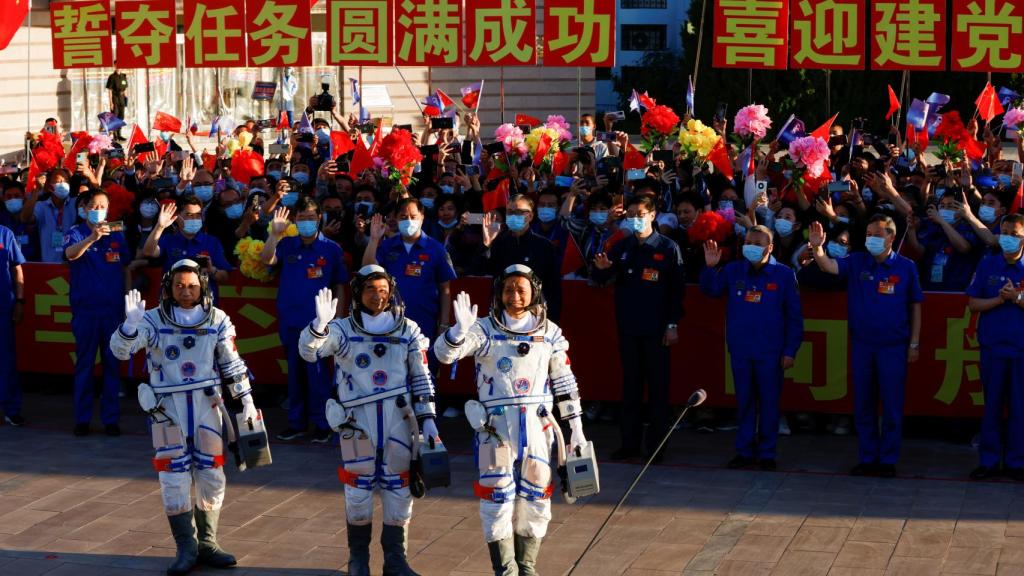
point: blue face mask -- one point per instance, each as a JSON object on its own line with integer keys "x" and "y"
{"x": 290, "y": 199}
{"x": 192, "y": 226}
{"x": 516, "y": 222}
{"x": 307, "y": 228}
{"x": 61, "y": 190}
{"x": 165, "y": 135}
{"x": 949, "y": 216}
{"x": 368, "y": 206}
{"x": 547, "y": 214}
{"x": 783, "y": 227}
{"x": 636, "y": 225}
{"x": 204, "y": 193}
{"x": 14, "y": 205}
{"x": 1009, "y": 244}
{"x": 586, "y": 131}
{"x": 843, "y": 220}
{"x": 408, "y": 228}
{"x": 875, "y": 245}
{"x": 599, "y": 218}
{"x": 753, "y": 253}
{"x": 987, "y": 214}
{"x": 724, "y": 205}
{"x": 275, "y": 174}
{"x": 234, "y": 211}
{"x": 97, "y": 216}
{"x": 149, "y": 209}
{"x": 448, "y": 225}
{"x": 446, "y": 189}
{"x": 836, "y": 250}
{"x": 428, "y": 203}
{"x": 301, "y": 177}
{"x": 81, "y": 213}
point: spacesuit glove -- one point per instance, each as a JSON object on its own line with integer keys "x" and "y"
{"x": 465, "y": 317}
{"x": 429, "y": 429}
{"x": 336, "y": 415}
{"x": 134, "y": 310}
{"x": 577, "y": 439}
{"x": 249, "y": 408}
{"x": 326, "y": 305}
{"x": 147, "y": 398}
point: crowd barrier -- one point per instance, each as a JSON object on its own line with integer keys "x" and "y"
{"x": 944, "y": 382}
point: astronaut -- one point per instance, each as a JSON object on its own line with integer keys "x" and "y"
{"x": 190, "y": 349}
{"x": 386, "y": 395}
{"x": 522, "y": 369}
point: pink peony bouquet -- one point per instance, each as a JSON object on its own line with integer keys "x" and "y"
{"x": 1013, "y": 117}
{"x": 752, "y": 122}
{"x": 99, "y": 143}
{"x": 810, "y": 152}
{"x": 558, "y": 123}
{"x": 512, "y": 137}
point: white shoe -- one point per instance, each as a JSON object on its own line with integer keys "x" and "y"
{"x": 784, "y": 427}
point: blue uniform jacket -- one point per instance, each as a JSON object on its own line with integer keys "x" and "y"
{"x": 304, "y": 270}
{"x": 97, "y": 276}
{"x": 999, "y": 328}
{"x": 418, "y": 272}
{"x": 10, "y": 256}
{"x": 879, "y": 296}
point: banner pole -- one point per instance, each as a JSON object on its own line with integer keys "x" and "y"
{"x": 360, "y": 94}
{"x": 501, "y": 92}
{"x": 579, "y": 99}
{"x": 28, "y": 73}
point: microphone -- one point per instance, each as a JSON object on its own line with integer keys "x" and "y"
{"x": 697, "y": 398}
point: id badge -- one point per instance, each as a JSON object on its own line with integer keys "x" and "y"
{"x": 886, "y": 288}
{"x": 414, "y": 270}
{"x": 752, "y": 296}
{"x": 56, "y": 240}
{"x": 650, "y": 274}
{"x": 939, "y": 267}
{"x": 314, "y": 272}
{"x": 113, "y": 257}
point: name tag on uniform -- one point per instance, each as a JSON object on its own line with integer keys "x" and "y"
{"x": 650, "y": 274}
{"x": 314, "y": 272}
{"x": 752, "y": 296}
{"x": 413, "y": 270}
{"x": 113, "y": 257}
{"x": 886, "y": 287}
{"x": 56, "y": 240}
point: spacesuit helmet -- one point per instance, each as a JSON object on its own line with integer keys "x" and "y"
{"x": 360, "y": 279}
{"x": 167, "y": 300}
{"x": 538, "y": 306}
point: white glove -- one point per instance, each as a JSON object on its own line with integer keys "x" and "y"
{"x": 577, "y": 439}
{"x": 326, "y": 305}
{"x": 134, "y": 310}
{"x": 465, "y": 317}
{"x": 335, "y": 414}
{"x": 249, "y": 408}
{"x": 429, "y": 429}
{"x": 147, "y": 399}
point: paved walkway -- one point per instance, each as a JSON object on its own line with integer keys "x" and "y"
{"x": 91, "y": 506}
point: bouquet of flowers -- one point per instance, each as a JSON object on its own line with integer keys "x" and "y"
{"x": 401, "y": 155}
{"x": 543, "y": 143}
{"x": 657, "y": 126}
{"x": 808, "y": 157}
{"x": 558, "y": 123}
{"x": 709, "y": 226}
{"x": 512, "y": 137}
{"x": 752, "y": 123}
{"x": 955, "y": 140}
{"x": 249, "y": 263}
{"x": 697, "y": 140}
{"x": 1013, "y": 118}
{"x": 99, "y": 143}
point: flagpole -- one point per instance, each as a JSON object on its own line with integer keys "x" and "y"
{"x": 361, "y": 94}
{"x": 700, "y": 42}
{"x": 480, "y": 97}
{"x": 501, "y": 91}
{"x": 579, "y": 103}
{"x": 903, "y": 85}
{"x": 411, "y": 93}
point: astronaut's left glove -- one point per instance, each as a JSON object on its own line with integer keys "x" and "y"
{"x": 249, "y": 408}
{"x": 429, "y": 428}
{"x": 577, "y": 439}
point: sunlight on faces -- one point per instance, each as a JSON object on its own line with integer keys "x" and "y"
{"x": 516, "y": 295}
{"x": 185, "y": 288}
{"x": 375, "y": 296}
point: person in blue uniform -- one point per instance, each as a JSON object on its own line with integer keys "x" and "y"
{"x": 12, "y": 308}
{"x": 948, "y": 246}
{"x": 189, "y": 242}
{"x": 10, "y": 216}
{"x": 647, "y": 271}
{"x": 997, "y": 294}
{"x": 884, "y": 310}
{"x": 50, "y": 210}
{"x": 97, "y": 258}
{"x": 308, "y": 262}
{"x": 764, "y": 328}
{"x": 419, "y": 263}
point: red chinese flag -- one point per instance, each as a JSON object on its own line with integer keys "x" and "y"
{"x": 895, "y": 45}
{"x": 974, "y": 149}
{"x": 559, "y": 163}
{"x": 135, "y": 138}
{"x": 523, "y": 119}
{"x": 823, "y": 130}
{"x": 572, "y": 259}
{"x": 214, "y": 33}
{"x": 988, "y": 103}
{"x": 563, "y": 33}
{"x": 14, "y": 14}
{"x": 363, "y": 18}
{"x": 1018, "y": 200}
{"x": 361, "y": 159}
{"x": 282, "y": 121}
{"x": 497, "y": 198}
{"x": 267, "y": 48}
{"x": 167, "y": 123}
{"x": 442, "y": 21}
{"x": 136, "y": 21}
{"x": 996, "y": 45}
{"x": 80, "y": 34}
{"x": 634, "y": 159}
{"x": 719, "y": 158}
{"x": 543, "y": 147}
{"x": 342, "y": 143}
{"x": 646, "y": 101}
{"x": 894, "y": 103}
{"x": 516, "y": 34}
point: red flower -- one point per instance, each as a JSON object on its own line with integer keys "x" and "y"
{"x": 659, "y": 118}
{"x": 951, "y": 128}
{"x": 120, "y": 201}
{"x": 709, "y": 226}
{"x": 400, "y": 153}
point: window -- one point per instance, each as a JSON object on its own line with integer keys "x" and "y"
{"x": 644, "y": 4}
{"x": 643, "y": 38}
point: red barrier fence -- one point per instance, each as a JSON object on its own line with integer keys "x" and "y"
{"x": 944, "y": 382}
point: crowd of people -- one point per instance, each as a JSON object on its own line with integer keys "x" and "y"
{"x": 871, "y": 216}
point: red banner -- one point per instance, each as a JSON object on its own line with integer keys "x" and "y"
{"x": 145, "y": 34}
{"x": 828, "y": 34}
{"x": 279, "y": 33}
{"x": 214, "y": 33}
{"x": 360, "y": 33}
{"x": 579, "y": 33}
{"x": 501, "y": 33}
{"x": 944, "y": 382}
{"x": 908, "y": 35}
{"x": 751, "y": 34}
{"x": 429, "y": 32}
{"x": 80, "y": 34}
{"x": 988, "y": 36}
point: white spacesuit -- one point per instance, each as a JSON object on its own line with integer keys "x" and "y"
{"x": 189, "y": 351}
{"x": 385, "y": 391}
{"x": 522, "y": 369}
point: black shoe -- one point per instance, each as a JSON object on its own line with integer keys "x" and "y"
{"x": 767, "y": 464}
{"x": 864, "y": 469}
{"x": 81, "y": 430}
{"x": 321, "y": 436}
{"x": 626, "y": 453}
{"x": 291, "y": 434}
{"x": 739, "y": 462}
{"x": 112, "y": 430}
{"x": 887, "y": 470}
{"x": 15, "y": 421}
{"x": 1016, "y": 474}
{"x": 982, "y": 472}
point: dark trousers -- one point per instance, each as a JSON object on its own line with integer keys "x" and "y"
{"x": 644, "y": 361}
{"x": 10, "y": 389}
{"x": 120, "y": 101}
{"x": 1003, "y": 379}
{"x": 879, "y": 374}
{"x": 309, "y": 384}
{"x": 758, "y": 384}
{"x": 92, "y": 333}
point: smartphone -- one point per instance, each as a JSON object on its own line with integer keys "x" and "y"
{"x": 116, "y": 226}
{"x": 838, "y": 187}
{"x": 636, "y": 174}
{"x": 721, "y": 109}
{"x": 278, "y": 148}
{"x": 342, "y": 163}
{"x": 305, "y": 137}
{"x": 564, "y": 181}
{"x": 892, "y": 140}
{"x": 430, "y": 152}
{"x": 474, "y": 218}
{"x": 605, "y": 136}
{"x": 368, "y": 128}
{"x": 441, "y": 124}
{"x": 362, "y": 211}
{"x": 1017, "y": 170}
{"x": 665, "y": 156}
{"x": 203, "y": 261}
{"x": 406, "y": 127}
{"x": 761, "y": 186}
{"x": 495, "y": 148}
{"x": 161, "y": 183}
{"x": 263, "y": 124}
{"x": 617, "y": 115}
{"x": 838, "y": 140}
{"x": 82, "y": 157}
{"x": 612, "y": 162}
{"x": 471, "y": 169}
{"x": 115, "y": 153}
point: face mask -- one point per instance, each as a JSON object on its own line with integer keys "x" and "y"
{"x": 149, "y": 209}
{"x": 516, "y": 222}
{"x": 724, "y": 205}
{"x": 446, "y": 189}
{"x": 585, "y": 131}
{"x": 97, "y": 216}
{"x": 837, "y": 250}
{"x": 1009, "y": 244}
{"x": 204, "y": 193}
{"x": 875, "y": 245}
{"x": 448, "y": 225}
{"x": 547, "y": 214}
{"x": 301, "y": 177}
{"x": 948, "y": 215}
{"x": 165, "y": 135}
{"x": 866, "y": 194}
{"x": 1004, "y": 180}
{"x": 368, "y": 206}
{"x": 307, "y": 228}
{"x": 753, "y": 253}
{"x": 843, "y": 220}
{"x": 987, "y": 214}
{"x": 81, "y": 213}
{"x": 428, "y": 203}
{"x": 323, "y": 135}
{"x": 192, "y": 226}
{"x": 408, "y": 228}
{"x": 783, "y": 227}
{"x": 636, "y": 225}
{"x": 599, "y": 218}
{"x": 290, "y": 199}
{"x": 14, "y": 204}
{"x": 61, "y": 190}
{"x": 275, "y": 174}
{"x": 234, "y": 211}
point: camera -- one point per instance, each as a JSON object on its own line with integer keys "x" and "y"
{"x": 323, "y": 102}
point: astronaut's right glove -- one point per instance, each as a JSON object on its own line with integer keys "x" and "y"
{"x": 577, "y": 439}
{"x": 336, "y": 416}
{"x": 249, "y": 408}
{"x": 465, "y": 317}
{"x": 326, "y": 306}
{"x": 430, "y": 430}
{"x": 134, "y": 310}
